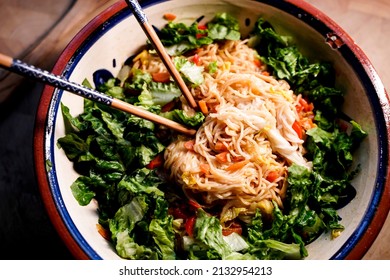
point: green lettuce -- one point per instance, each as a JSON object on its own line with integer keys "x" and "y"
{"x": 209, "y": 243}
{"x": 184, "y": 118}
{"x": 190, "y": 71}
{"x": 179, "y": 38}
{"x": 313, "y": 79}
{"x": 158, "y": 94}
{"x": 275, "y": 241}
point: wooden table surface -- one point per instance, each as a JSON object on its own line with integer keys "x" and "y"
{"x": 25, "y": 230}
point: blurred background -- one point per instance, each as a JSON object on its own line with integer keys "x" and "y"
{"x": 36, "y": 31}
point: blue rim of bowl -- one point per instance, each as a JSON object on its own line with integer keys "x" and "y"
{"x": 293, "y": 10}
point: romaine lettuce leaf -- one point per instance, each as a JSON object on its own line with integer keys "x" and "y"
{"x": 159, "y": 93}
{"x": 276, "y": 242}
{"x": 182, "y": 117}
{"x": 122, "y": 227}
{"x": 209, "y": 231}
{"x": 142, "y": 228}
{"x": 162, "y": 230}
{"x": 82, "y": 191}
{"x": 315, "y": 80}
{"x": 179, "y": 38}
{"x": 141, "y": 181}
{"x": 190, "y": 71}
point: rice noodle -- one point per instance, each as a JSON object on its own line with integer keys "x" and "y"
{"x": 250, "y": 122}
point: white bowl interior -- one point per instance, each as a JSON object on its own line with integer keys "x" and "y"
{"x": 123, "y": 40}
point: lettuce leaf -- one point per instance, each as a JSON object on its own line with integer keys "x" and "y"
{"x": 162, "y": 230}
{"x": 223, "y": 27}
{"x": 276, "y": 242}
{"x": 122, "y": 226}
{"x": 191, "y": 72}
{"x": 142, "y": 228}
{"x": 209, "y": 231}
{"x": 179, "y": 38}
{"x": 312, "y": 197}
{"x": 153, "y": 94}
{"x": 182, "y": 117}
{"x": 314, "y": 79}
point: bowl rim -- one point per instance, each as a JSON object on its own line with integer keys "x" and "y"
{"x": 372, "y": 225}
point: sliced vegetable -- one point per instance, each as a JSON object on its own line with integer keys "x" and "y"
{"x": 205, "y": 168}
{"x": 189, "y": 145}
{"x": 189, "y": 225}
{"x": 196, "y": 59}
{"x": 298, "y": 129}
{"x": 237, "y": 166}
{"x": 156, "y": 162}
{"x": 169, "y": 16}
{"x": 272, "y": 176}
{"x": 194, "y": 205}
{"x": 161, "y": 77}
{"x": 222, "y": 157}
{"x": 203, "y": 107}
{"x": 103, "y": 232}
{"x": 233, "y": 227}
{"x": 219, "y": 146}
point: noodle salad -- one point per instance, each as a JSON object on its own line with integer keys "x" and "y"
{"x": 266, "y": 172}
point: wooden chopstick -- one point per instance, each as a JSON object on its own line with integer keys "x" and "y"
{"x": 158, "y": 46}
{"x": 45, "y": 77}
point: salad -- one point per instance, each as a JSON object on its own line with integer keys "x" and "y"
{"x": 120, "y": 157}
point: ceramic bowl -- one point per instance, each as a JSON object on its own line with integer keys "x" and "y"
{"x": 114, "y": 35}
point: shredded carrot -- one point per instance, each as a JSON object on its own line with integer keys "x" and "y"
{"x": 212, "y": 107}
{"x": 205, "y": 168}
{"x": 156, "y": 162}
{"x": 222, "y": 157}
{"x": 272, "y": 176}
{"x": 307, "y": 123}
{"x": 299, "y": 108}
{"x": 189, "y": 145}
{"x": 203, "y": 107}
{"x": 233, "y": 227}
{"x": 103, "y": 232}
{"x": 219, "y": 146}
{"x": 169, "y": 16}
{"x": 161, "y": 77}
{"x": 265, "y": 73}
{"x": 193, "y": 204}
{"x": 298, "y": 129}
{"x": 238, "y": 158}
{"x": 306, "y": 106}
{"x": 189, "y": 225}
{"x": 237, "y": 166}
{"x": 257, "y": 62}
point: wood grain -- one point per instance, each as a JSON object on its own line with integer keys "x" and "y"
{"x": 43, "y": 53}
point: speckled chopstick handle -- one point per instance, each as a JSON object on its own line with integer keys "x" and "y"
{"x": 26, "y": 70}
{"x": 137, "y": 10}
{"x": 46, "y": 77}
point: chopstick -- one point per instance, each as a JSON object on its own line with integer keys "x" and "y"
{"x": 158, "y": 46}
{"x": 30, "y": 71}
